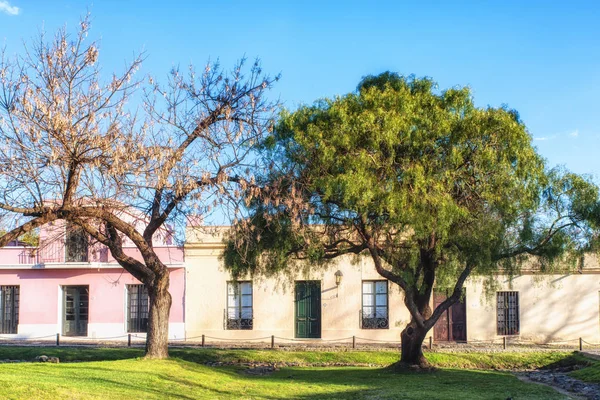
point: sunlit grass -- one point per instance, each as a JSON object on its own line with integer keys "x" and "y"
{"x": 474, "y": 360}
{"x": 176, "y": 378}
{"x": 591, "y": 373}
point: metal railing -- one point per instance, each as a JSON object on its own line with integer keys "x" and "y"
{"x": 237, "y": 323}
{"x": 273, "y": 341}
{"x": 29, "y": 256}
{"x": 373, "y": 321}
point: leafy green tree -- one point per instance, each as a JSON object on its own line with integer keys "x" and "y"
{"x": 432, "y": 188}
{"x": 31, "y": 238}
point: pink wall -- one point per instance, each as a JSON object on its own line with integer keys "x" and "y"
{"x": 52, "y": 247}
{"x": 40, "y": 293}
{"x": 55, "y": 253}
{"x": 168, "y": 255}
{"x": 18, "y": 255}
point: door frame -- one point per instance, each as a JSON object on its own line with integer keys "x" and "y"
{"x": 64, "y": 310}
{"x": 449, "y": 319}
{"x": 317, "y": 283}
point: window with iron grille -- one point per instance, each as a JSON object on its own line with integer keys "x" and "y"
{"x": 76, "y": 244}
{"x": 9, "y": 309}
{"x": 239, "y": 305}
{"x": 137, "y": 308}
{"x": 374, "y": 313}
{"x": 507, "y": 306}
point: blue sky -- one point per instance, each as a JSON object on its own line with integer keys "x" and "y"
{"x": 542, "y": 59}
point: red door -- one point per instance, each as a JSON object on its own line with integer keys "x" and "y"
{"x": 441, "y": 330}
{"x": 452, "y": 325}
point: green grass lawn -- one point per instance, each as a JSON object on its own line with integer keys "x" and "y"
{"x": 175, "y": 378}
{"x": 503, "y": 360}
{"x": 589, "y": 374}
{"x": 185, "y": 377}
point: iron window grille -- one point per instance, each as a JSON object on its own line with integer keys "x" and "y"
{"x": 374, "y": 313}
{"x": 76, "y": 244}
{"x": 507, "y": 307}
{"x": 137, "y": 308}
{"x": 239, "y": 313}
{"x": 9, "y": 309}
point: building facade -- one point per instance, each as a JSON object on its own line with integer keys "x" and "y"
{"x": 349, "y": 298}
{"x": 73, "y": 287}
{"x": 70, "y": 286}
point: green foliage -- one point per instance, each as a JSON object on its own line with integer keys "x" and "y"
{"x": 419, "y": 170}
{"x": 31, "y": 238}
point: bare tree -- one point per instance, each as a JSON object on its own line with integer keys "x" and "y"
{"x": 73, "y": 148}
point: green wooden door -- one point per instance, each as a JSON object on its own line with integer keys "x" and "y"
{"x": 308, "y": 309}
{"x": 76, "y": 302}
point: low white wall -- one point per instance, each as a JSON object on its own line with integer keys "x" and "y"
{"x": 30, "y": 331}
{"x": 552, "y": 308}
{"x": 273, "y": 301}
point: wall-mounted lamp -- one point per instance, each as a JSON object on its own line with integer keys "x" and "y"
{"x": 338, "y": 277}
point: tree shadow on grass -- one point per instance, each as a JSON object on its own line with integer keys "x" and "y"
{"x": 381, "y": 383}
{"x": 88, "y": 354}
{"x": 188, "y": 380}
{"x": 70, "y": 354}
{"x": 442, "y": 384}
{"x": 572, "y": 361}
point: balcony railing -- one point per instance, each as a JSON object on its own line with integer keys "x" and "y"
{"x": 373, "y": 321}
{"x": 237, "y": 323}
{"x": 29, "y": 256}
{"x": 55, "y": 252}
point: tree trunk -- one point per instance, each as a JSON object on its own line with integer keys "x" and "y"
{"x": 412, "y": 346}
{"x": 157, "y": 339}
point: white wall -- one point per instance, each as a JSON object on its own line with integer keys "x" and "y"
{"x": 552, "y": 307}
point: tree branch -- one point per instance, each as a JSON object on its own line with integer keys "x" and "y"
{"x": 456, "y": 293}
{"x": 26, "y": 227}
{"x": 114, "y": 243}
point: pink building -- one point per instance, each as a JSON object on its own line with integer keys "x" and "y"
{"x": 71, "y": 286}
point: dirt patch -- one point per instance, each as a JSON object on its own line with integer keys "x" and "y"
{"x": 285, "y": 364}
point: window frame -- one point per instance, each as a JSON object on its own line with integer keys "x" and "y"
{"x": 374, "y": 322}
{"x": 239, "y": 323}
{"x": 10, "y": 326}
{"x": 77, "y": 237}
{"x": 505, "y": 329}
{"x": 138, "y": 325}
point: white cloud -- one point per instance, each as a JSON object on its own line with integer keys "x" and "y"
{"x": 572, "y": 134}
{"x": 543, "y": 138}
{"x": 7, "y": 8}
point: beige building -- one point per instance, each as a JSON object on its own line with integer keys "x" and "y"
{"x": 350, "y": 299}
